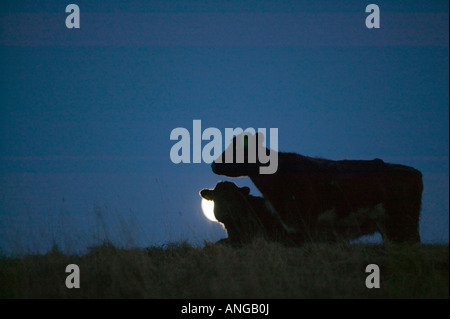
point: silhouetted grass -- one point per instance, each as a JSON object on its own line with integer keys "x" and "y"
{"x": 258, "y": 270}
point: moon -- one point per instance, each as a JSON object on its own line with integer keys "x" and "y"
{"x": 208, "y": 209}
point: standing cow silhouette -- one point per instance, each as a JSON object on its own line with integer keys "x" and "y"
{"x": 320, "y": 199}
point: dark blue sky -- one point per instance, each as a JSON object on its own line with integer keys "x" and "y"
{"x": 85, "y": 115}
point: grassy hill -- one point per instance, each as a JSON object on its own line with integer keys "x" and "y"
{"x": 259, "y": 270}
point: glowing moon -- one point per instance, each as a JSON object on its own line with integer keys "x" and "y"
{"x": 208, "y": 209}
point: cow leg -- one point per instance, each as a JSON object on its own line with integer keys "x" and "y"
{"x": 404, "y": 205}
{"x": 402, "y": 227}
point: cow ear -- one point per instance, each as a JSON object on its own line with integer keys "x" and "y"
{"x": 207, "y": 194}
{"x": 245, "y": 190}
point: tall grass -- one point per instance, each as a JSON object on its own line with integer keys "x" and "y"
{"x": 32, "y": 234}
{"x": 258, "y": 270}
{"x": 119, "y": 269}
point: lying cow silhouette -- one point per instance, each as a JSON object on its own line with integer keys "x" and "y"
{"x": 324, "y": 199}
{"x": 244, "y": 217}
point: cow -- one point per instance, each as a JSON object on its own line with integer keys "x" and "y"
{"x": 244, "y": 217}
{"x": 322, "y": 199}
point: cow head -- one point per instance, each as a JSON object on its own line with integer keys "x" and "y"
{"x": 246, "y": 156}
{"x": 228, "y": 200}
